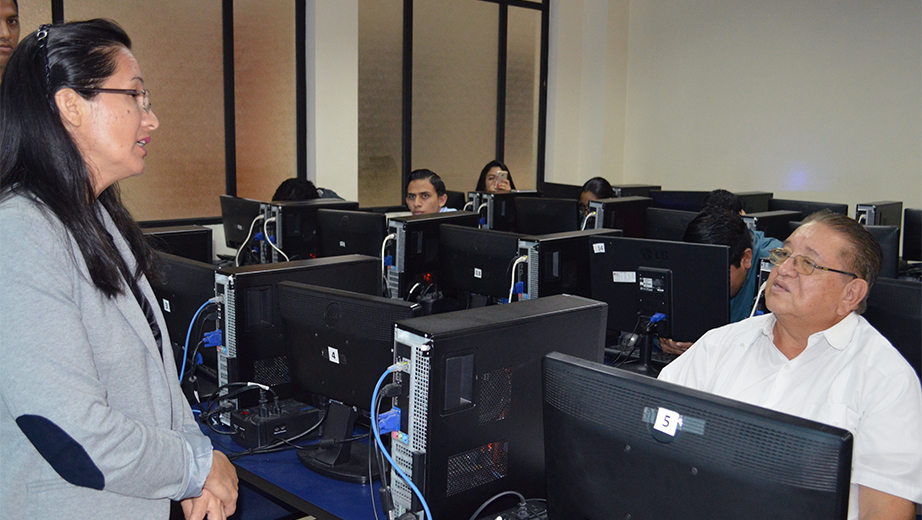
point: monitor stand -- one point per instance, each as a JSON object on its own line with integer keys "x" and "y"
{"x": 336, "y": 457}
{"x": 643, "y": 366}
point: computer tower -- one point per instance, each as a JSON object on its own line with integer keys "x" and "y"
{"x": 414, "y": 256}
{"x": 253, "y": 348}
{"x": 628, "y": 213}
{"x": 497, "y": 209}
{"x": 193, "y": 241}
{"x": 559, "y": 263}
{"x": 883, "y": 213}
{"x": 471, "y": 417}
{"x": 292, "y": 227}
{"x": 754, "y": 201}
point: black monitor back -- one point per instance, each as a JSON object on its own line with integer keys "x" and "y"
{"x": 187, "y": 285}
{"x": 680, "y": 200}
{"x": 541, "y": 216}
{"x": 338, "y": 343}
{"x": 806, "y": 207}
{"x": 895, "y": 310}
{"x": 634, "y": 190}
{"x": 560, "y": 191}
{"x": 456, "y": 199}
{"x": 700, "y": 279}
{"x": 609, "y": 447}
{"x": 754, "y": 201}
{"x": 476, "y": 261}
{"x": 629, "y": 214}
{"x": 912, "y": 235}
{"x": 346, "y": 232}
{"x": 667, "y": 224}
{"x": 190, "y": 241}
{"x": 889, "y": 239}
{"x": 773, "y": 223}
{"x": 237, "y": 215}
{"x": 501, "y": 208}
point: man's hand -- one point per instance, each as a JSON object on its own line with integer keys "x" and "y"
{"x": 222, "y": 482}
{"x": 674, "y": 347}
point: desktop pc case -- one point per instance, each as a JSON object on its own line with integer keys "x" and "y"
{"x": 628, "y": 214}
{"x": 293, "y": 226}
{"x": 253, "y": 348}
{"x": 471, "y": 420}
{"x": 192, "y": 241}
{"x": 559, "y": 263}
{"x": 500, "y": 214}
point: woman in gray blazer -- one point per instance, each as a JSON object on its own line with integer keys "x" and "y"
{"x": 92, "y": 420}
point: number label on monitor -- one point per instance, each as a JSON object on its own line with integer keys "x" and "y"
{"x": 667, "y": 421}
{"x": 166, "y": 305}
{"x": 333, "y": 355}
{"x": 478, "y": 273}
{"x": 598, "y": 248}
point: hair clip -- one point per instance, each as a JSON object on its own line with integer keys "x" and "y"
{"x": 41, "y": 36}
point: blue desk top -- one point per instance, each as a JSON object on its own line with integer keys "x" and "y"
{"x": 283, "y": 476}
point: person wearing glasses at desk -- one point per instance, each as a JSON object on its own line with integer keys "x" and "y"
{"x": 93, "y": 423}
{"x": 814, "y": 356}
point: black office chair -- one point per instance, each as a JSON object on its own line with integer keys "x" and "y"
{"x": 895, "y": 309}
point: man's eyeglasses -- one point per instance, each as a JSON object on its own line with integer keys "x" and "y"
{"x": 144, "y": 94}
{"x": 802, "y": 264}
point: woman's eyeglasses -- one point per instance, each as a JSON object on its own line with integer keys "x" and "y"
{"x": 144, "y": 94}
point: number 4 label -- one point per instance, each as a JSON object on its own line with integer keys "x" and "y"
{"x": 667, "y": 421}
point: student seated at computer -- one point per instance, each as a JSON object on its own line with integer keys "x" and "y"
{"x": 815, "y": 357}
{"x": 495, "y": 178}
{"x": 426, "y": 193}
{"x": 295, "y": 189}
{"x": 721, "y": 227}
{"x": 595, "y": 188}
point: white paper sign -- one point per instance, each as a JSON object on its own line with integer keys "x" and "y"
{"x": 624, "y": 276}
{"x": 667, "y": 421}
{"x": 333, "y": 354}
{"x": 598, "y": 248}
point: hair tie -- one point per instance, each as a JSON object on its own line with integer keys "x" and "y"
{"x": 41, "y": 37}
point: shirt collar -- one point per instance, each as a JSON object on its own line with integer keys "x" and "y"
{"x": 838, "y": 336}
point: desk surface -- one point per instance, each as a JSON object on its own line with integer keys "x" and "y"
{"x": 284, "y": 477}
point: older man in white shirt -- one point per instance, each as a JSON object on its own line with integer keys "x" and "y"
{"x": 815, "y": 357}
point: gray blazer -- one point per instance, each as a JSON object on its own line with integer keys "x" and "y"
{"x": 92, "y": 424}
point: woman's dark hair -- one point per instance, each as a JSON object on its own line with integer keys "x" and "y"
{"x": 723, "y": 228}
{"x": 598, "y": 187}
{"x": 482, "y": 181}
{"x": 428, "y": 175}
{"x": 38, "y": 156}
{"x": 296, "y": 189}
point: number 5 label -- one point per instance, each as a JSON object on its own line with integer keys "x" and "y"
{"x": 667, "y": 421}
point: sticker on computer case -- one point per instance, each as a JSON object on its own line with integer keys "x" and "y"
{"x": 333, "y": 354}
{"x": 624, "y": 276}
{"x": 598, "y": 247}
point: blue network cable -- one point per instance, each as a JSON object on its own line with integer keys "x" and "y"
{"x": 185, "y": 351}
{"x": 374, "y": 427}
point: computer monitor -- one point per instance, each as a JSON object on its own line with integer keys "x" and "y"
{"x": 889, "y": 239}
{"x": 634, "y": 190}
{"x": 628, "y": 214}
{"x": 895, "y": 310}
{"x": 754, "y": 201}
{"x": 187, "y": 285}
{"x": 560, "y": 191}
{"x": 189, "y": 241}
{"x": 881, "y": 213}
{"x": 667, "y": 224}
{"x": 912, "y": 235}
{"x": 238, "y": 215}
{"x": 806, "y": 207}
{"x": 414, "y": 252}
{"x": 294, "y": 228}
{"x": 638, "y": 278}
{"x": 338, "y": 344}
{"x": 773, "y": 223}
{"x": 345, "y": 232}
{"x": 619, "y": 445}
{"x": 679, "y": 200}
{"x": 541, "y": 216}
{"x": 476, "y": 261}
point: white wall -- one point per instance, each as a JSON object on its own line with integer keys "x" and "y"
{"x": 809, "y": 99}
{"x": 333, "y": 95}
